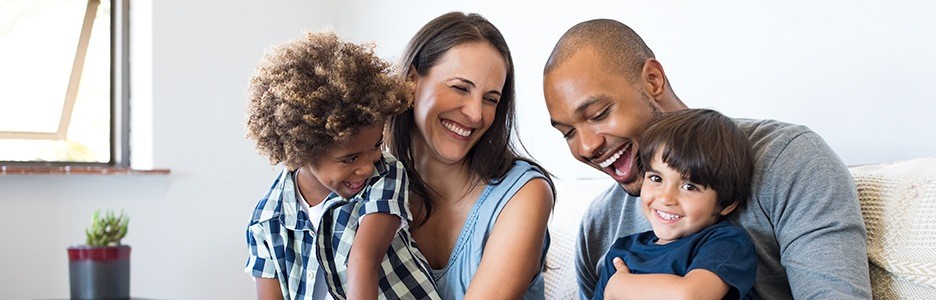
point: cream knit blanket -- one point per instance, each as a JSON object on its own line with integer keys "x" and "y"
{"x": 898, "y": 202}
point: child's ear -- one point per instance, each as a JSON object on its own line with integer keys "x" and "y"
{"x": 729, "y": 209}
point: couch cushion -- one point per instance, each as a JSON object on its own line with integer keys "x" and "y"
{"x": 898, "y": 202}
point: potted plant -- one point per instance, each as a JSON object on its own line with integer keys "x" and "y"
{"x": 100, "y": 269}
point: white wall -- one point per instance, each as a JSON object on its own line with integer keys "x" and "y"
{"x": 861, "y": 74}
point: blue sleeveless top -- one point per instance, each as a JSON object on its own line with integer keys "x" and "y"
{"x": 452, "y": 281}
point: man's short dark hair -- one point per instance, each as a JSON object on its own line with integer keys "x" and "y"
{"x": 622, "y": 50}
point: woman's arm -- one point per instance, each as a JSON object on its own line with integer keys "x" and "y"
{"x": 513, "y": 253}
{"x": 371, "y": 242}
{"x": 268, "y": 289}
{"x": 697, "y": 284}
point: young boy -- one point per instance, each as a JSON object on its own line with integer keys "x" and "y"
{"x": 334, "y": 223}
{"x": 697, "y": 167}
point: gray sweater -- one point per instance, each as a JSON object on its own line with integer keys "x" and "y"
{"x": 803, "y": 216}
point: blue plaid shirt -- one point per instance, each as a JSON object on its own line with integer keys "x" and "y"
{"x": 281, "y": 239}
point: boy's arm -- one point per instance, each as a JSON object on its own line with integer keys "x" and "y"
{"x": 370, "y": 245}
{"x": 382, "y": 214}
{"x": 268, "y": 289}
{"x": 697, "y": 284}
{"x": 260, "y": 263}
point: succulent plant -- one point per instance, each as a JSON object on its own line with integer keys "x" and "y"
{"x": 107, "y": 230}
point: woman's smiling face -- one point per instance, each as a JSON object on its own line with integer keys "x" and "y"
{"x": 456, "y": 101}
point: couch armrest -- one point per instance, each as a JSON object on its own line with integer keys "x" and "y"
{"x": 898, "y": 202}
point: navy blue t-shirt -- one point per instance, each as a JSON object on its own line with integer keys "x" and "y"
{"x": 722, "y": 248}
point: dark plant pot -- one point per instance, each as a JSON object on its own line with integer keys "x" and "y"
{"x": 99, "y": 272}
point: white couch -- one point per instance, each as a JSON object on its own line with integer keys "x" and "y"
{"x": 898, "y": 202}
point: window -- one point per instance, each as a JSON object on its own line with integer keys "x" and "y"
{"x": 63, "y": 84}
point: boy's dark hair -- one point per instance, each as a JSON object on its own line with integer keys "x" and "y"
{"x": 310, "y": 93}
{"x": 706, "y": 147}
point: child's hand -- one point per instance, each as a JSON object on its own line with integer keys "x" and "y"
{"x": 620, "y": 266}
{"x": 617, "y": 280}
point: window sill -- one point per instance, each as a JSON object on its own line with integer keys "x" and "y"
{"x": 77, "y": 170}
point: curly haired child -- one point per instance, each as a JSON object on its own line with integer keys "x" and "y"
{"x": 697, "y": 167}
{"x": 334, "y": 223}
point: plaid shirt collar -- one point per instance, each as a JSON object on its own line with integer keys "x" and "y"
{"x": 293, "y": 217}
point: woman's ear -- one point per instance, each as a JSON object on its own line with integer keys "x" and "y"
{"x": 411, "y": 82}
{"x": 411, "y": 73}
{"x": 653, "y": 79}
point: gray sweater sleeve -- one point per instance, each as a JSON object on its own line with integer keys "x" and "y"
{"x": 613, "y": 214}
{"x": 593, "y": 242}
{"x": 811, "y": 202}
{"x": 585, "y": 271}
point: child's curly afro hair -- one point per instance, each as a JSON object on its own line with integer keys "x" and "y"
{"x": 314, "y": 92}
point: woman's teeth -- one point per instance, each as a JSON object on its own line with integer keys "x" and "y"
{"x": 456, "y": 129}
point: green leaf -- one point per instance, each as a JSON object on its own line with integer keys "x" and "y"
{"x": 107, "y": 228}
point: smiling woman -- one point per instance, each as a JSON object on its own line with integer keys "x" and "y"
{"x": 480, "y": 207}
{"x": 56, "y": 86}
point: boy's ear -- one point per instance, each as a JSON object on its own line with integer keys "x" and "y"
{"x": 729, "y": 209}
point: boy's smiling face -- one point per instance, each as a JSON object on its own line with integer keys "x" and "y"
{"x": 345, "y": 168}
{"x": 675, "y": 206}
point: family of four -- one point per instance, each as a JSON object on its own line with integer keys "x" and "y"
{"x": 405, "y": 182}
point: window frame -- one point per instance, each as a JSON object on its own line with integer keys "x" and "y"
{"x": 119, "y": 134}
{"x": 120, "y": 84}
